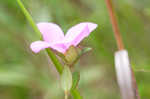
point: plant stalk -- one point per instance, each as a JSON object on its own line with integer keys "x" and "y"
{"x": 115, "y": 27}
{"x": 118, "y": 38}
{"x": 52, "y": 56}
{"x": 66, "y": 95}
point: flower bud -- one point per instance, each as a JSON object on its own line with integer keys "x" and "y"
{"x": 71, "y": 55}
{"x": 66, "y": 79}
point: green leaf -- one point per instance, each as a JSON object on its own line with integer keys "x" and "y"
{"x": 76, "y": 94}
{"x": 74, "y": 91}
{"x": 76, "y": 78}
{"x": 85, "y": 50}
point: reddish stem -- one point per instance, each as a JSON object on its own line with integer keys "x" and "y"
{"x": 114, "y": 25}
{"x": 119, "y": 41}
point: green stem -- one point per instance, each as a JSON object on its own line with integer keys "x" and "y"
{"x": 32, "y": 23}
{"x": 75, "y": 93}
{"x": 29, "y": 18}
{"x": 55, "y": 61}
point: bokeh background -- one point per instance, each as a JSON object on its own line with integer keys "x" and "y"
{"x": 25, "y": 75}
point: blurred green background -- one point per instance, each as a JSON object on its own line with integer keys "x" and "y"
{"x": 25, "y": 75}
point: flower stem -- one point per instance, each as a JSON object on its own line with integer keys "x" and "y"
{"x": 115, "y": 25}
{"x": 29, "y": 18}
{"x": 55, "y": 61}
{"x": 32, "y": 23}
{"x": 66, "y": 95}
{"x": 75, "y": 93}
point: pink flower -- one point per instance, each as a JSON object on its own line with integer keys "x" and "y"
{"x": 53, "y": 36}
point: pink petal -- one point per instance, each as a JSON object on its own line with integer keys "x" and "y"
{"x": 51, "y": 32}
{"x": 78, "y": 32}
{"x": 60, "y": 47}
{"x": 37, "y": 46}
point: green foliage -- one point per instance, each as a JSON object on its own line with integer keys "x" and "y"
{"x": 76, "y": 78}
